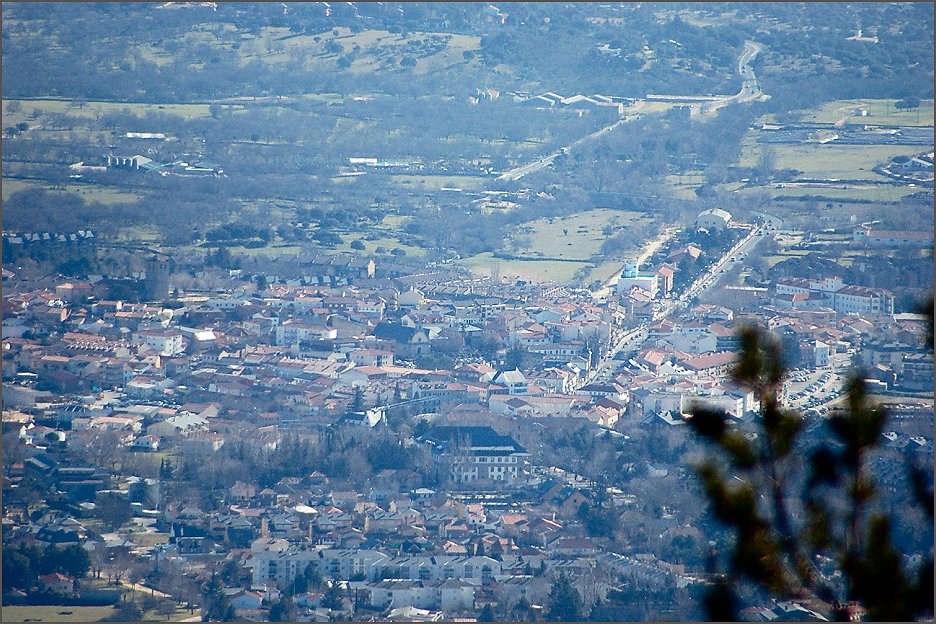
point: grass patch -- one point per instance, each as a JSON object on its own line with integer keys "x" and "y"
{"x": 436, "y": 182}
{"x": 102, "y": 194}
{"x": 139, "y": 233}
{"x": 539, "y": 271}
{"x": 684, "y": 185}
{"x": 11, "y": 186}
{"x": 604, "y": 270}
{"x": 149, "y": 539}
{"x": 273, "y": 249}
{"x": 393, "y": 221}
{"x": 55, "y": 613}
{"x": 37, "y": 108}
{"x": 645, "y": 106}
{"x": 577, "y": 237}
{"x": 388, "y": 242}
{"x": 372, "y": 49}
{"x": 91, "y": 193}
{"x": 785, "y": 255}
{"x": 829, "y": 161}
{"x": 880, "y": 112}
{"x": 878, "y": 193}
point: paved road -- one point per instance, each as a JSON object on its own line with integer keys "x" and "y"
{"x": 519, "y": 172}
{"x": 144, "y": 589}
{"x": 750, "y": 87}
{"x": 736, "y": 253}
{"x": 750, "y": 90}
{"x": 608, "y": 363}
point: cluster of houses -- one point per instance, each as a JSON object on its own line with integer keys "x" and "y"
{"x": 188, "y": 377}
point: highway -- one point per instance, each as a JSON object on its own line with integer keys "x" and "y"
{"x": 750, "y": 87}
{"x": 750, "y": 90}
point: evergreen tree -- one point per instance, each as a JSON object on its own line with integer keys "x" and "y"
{"x": 332, "y": 597}
{"x": 72, "y": 560}
{"x": 284, "y": 610}
{"x": 565, "y": 603}
{"x": 218, "y": 607}
{"x": 487, "y": 614}
{"x": 357, "y": 403}
{"x": 749, "y": 486}
{"x": 521, "y": 610}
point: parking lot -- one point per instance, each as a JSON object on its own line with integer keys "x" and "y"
{"x": 807, "y": 390}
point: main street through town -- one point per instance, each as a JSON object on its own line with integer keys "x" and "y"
{"x": 632, "y": 338}
{"x": 813, "y": 391}
{"x": 668, "y": 306}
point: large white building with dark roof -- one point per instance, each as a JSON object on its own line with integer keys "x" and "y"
{"x": 466, "y": 454}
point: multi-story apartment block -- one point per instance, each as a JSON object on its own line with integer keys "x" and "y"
{"x": 292, "y": 332}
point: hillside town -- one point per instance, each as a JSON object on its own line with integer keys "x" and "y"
{"x": 375, "y": 440}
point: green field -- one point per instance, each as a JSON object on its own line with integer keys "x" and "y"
{"x": 685, "y": 184}
{"x": 530, "y": 270}
{"x": 436, "y": 182}
{"x": 604, "y": 271}
{"x": 91, "y": 193}
{"x": 558, "y": 249}
{"x": 831, "y": 161}
{"x": 53, "y": 613}
{"x": 828, "y": 161}
{"x": 34, "y": 108}
{"x": 371, "y": 49}
{"x": 388, "y": 242}
{"x": 577, "y": 237}
{"x": 880, "y": 112}
{"x": 876, "y": 192}
{"x": 139, "y": 233}
{"x": 58, "y": 613}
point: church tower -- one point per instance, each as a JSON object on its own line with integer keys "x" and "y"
{"x": 156, "y": 283}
